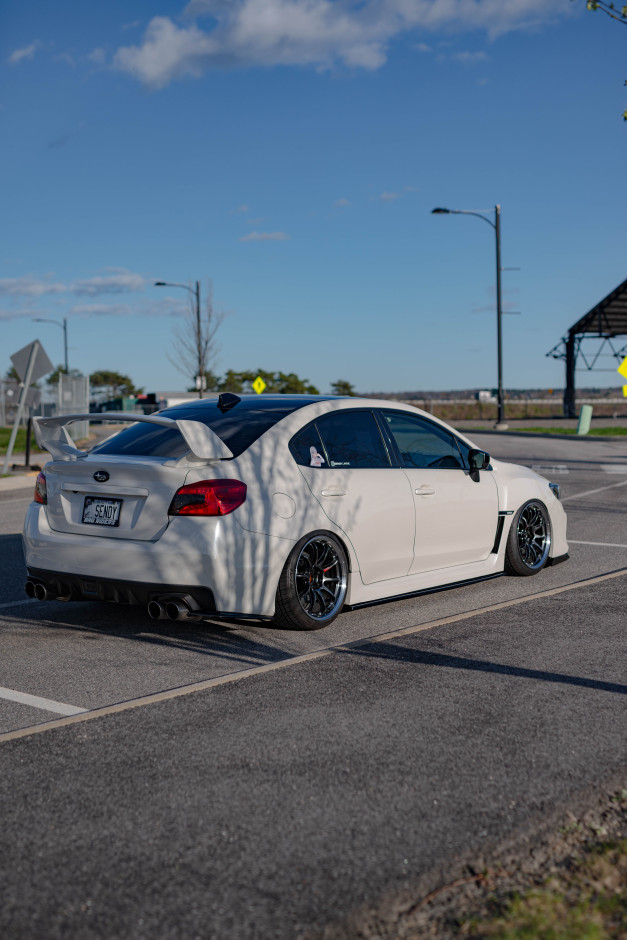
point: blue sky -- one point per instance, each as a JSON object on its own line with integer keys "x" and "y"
{"x": 291, "y": 152}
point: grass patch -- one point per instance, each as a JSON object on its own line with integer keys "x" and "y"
{"x": 20, "y": 441}
{"x": 594, "y": 432}
{"x": 587, "y": 900}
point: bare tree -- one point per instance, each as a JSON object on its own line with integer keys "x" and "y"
{"x": 194, "y": 346}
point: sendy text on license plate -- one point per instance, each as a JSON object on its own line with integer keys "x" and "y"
{"x": 99, "y": 511}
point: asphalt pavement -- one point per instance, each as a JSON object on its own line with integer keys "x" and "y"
{"x": 239, "y": 781}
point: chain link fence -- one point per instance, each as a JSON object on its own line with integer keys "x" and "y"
{"x": 73, "y": 398}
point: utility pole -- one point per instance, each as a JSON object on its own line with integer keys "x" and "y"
{"x": 199, "y": 339}
{"x": 496, "y": 225}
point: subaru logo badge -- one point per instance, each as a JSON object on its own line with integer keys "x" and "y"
{"x": 101, "y": 476}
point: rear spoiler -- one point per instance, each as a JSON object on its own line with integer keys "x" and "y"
{"x": 51, "y": 434}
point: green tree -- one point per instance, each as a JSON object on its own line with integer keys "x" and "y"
{"x": 342, "y": 387}
{"x": 113, "y": 384}
{"x": 276, "y": 382}
{"x": 12, "y": 376}
{"x": 53, "y": 378}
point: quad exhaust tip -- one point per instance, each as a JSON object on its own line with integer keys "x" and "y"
{"x": 156, "y": 611}
{"x": 37, "y": 590}
{"x": 170, "y": 609}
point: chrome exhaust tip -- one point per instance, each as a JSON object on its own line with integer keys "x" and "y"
{"x": 156, "y": 611}
{"x": 41, "y": 591}
{"x": 29, "y": 587}
{"x": 178, "y": 609}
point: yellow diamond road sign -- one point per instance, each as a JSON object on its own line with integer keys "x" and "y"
{"x": 622, "y": 370}
{"x": 259, "y": 384}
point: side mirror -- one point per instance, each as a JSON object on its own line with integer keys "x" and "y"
{"x": 478, "y": 459}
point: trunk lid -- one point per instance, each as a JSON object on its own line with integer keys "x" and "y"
{"x": 114, "y": 497}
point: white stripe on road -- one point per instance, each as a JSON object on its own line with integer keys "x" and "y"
{"x": 614, "y": 467}
{"x": 35, "y": 701}
{"x": 604, "y": 544}
{"x": 599, "y": 489}
{"x": 206, "y": 684}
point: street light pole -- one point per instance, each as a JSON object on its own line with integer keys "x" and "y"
{"x": 64, "y": 328}
{"x": 499, "y": 317}
{"x": 196, "y": 294}
{"x": 496, "y": 225}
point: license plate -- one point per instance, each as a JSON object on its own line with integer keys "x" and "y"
{"x": 99, "y": 511}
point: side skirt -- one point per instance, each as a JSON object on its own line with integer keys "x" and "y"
{"x": 432, "y": 590}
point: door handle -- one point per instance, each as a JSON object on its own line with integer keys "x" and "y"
{"x": 333, "y": 492}
{"x": 425, "y": 491}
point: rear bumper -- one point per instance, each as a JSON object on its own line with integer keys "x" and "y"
{"x": 238, "y": 568}
{"x": 75, "y": 587}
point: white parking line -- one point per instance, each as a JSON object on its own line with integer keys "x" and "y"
{"x": 599, "y": 489}
{"x": 206, "y": 684}
{"x": 614, "y": 467}
{"x": 604, "y": 544}
{"x": 35, "y": 701}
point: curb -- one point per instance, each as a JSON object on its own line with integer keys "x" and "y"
{"x": 15, "y": 482}
{"x": 550, "y": 437}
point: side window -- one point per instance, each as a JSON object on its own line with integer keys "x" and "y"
{"x": 307, "y": 448}
{"x": 423, "y": 445}
{"x": 352, "y": 440}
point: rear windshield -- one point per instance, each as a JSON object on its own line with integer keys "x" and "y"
{"x": 238, "y": 428}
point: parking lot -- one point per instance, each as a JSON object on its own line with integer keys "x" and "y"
{"x": 236, "y": 780}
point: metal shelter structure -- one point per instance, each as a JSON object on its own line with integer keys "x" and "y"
{"x": 604, "y": 322}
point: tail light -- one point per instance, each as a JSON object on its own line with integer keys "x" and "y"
{"x": 41, "y": 493}
{"x": 208, "y": 498}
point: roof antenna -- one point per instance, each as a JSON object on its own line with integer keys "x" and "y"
{"x": 227, "y": 400}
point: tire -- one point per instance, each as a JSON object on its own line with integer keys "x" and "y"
{"x": 313, "y": 583}
{"x": 529, "y": 540}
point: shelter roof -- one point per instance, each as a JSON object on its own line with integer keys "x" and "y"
{"x": 607, "y": 318}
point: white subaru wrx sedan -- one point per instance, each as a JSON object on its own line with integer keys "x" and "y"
{"x": 279, "y": 507}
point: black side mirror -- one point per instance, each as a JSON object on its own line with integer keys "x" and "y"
{"x": 478, "y": 459}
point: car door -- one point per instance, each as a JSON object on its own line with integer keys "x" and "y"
{"x": 345, "y": 461}
{"x": 456, "y": 513}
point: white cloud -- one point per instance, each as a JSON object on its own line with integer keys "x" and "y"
{"x": 97, "y": 56}
{"x": 264, "y": 237}
{"x": 341, "y": 203}
{"x": 255, "y": 221}
{"x": 30, "y": 286}
{"x": 468, "y": 58}
{"x": 242, "y": 208}
{"x": 20, "y": 55}
{"x": 101, "y": 310}
{"x": 388, "y": 197}
{"x": 121, "y": 282}
{"x": 317, "y": 33}
{"x": 15, "y": 312}
{"x": 66, "y": 57}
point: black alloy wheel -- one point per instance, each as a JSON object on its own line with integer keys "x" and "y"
{"x": 313, "y": 583}
{"x": 529, "y": 540}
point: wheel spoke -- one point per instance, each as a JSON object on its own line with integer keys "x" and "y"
{"x": 533, "y": 536}
{"x": 320, "y": 579}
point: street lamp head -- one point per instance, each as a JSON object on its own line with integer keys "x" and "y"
{"x": 160, "y": 284}
{"x": 440, "y": 211}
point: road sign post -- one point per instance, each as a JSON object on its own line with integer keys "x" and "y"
{"x": 30, "y": 363}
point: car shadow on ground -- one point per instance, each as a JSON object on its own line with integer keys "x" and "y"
{"x": 237, "y": 642}
{"x": 393, "y": 651}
